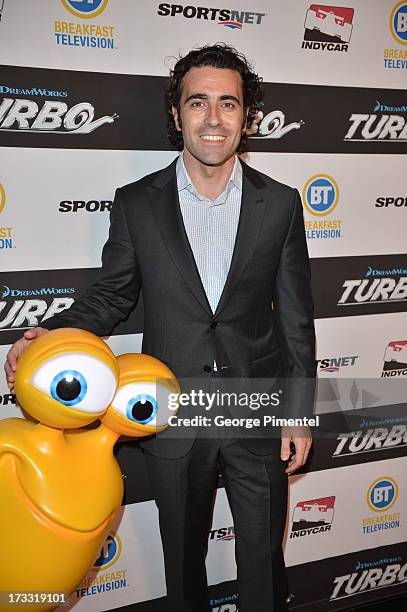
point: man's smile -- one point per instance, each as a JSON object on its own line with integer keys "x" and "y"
{"x": 213, "y": 137}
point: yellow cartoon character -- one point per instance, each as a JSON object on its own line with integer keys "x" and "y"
{"x": 59, "y": 481}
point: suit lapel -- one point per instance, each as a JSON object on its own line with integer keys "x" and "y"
{"x": 251, "y": 218}
{"x": 164, "y": 202}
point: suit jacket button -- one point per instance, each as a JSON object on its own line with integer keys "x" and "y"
{"x": 213, "y": 324}
{"x": 207, "y": 368}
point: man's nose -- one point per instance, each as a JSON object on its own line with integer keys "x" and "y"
{"x": 213, "y": 116}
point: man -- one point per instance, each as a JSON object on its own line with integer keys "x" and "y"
{"x": 219, "y": 251}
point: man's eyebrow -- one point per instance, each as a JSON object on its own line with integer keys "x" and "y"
{"x": 202, "y": 96}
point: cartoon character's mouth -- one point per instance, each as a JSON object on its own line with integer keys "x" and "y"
{"x": 49, "y": 522}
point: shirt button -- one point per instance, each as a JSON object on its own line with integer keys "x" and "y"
{"x": 207, "y": 368}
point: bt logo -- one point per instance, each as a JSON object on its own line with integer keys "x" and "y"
{"x": 398, "y": 23}
{"x": 382, "y": 494}
{"x": 109, "y": 553}
{"x": 320, "y": 195}
{"x": 86, "y": 9}
{"x": 2, "y": 197}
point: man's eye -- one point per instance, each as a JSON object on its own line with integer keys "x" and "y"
{"x": 229, "y": 105}
{"x": 198, "y": 104}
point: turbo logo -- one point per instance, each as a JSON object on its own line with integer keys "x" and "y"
{"x": 373, "y": 439}
{"x": 378, "y": 127}
{"x": 273, "y": 125}
{"x": 225, "y": 604}
{"x": 398, "y": 23}
{"x": 373, "y": 290}
{"x": 320, "y": 195}
{"x": 23, "y": 313}
{"x": 16, "y": 113}
{"x": 382, "y": 494}
{"x": 368, "y": 580}
{"x": 87, "y": 9}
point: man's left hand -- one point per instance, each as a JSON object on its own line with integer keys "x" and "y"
{"x": 302, "y": 440}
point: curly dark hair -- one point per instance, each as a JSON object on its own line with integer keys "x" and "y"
{"x": 219, "y": 55}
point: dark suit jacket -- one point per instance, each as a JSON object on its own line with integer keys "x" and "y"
{"x": 263, "y": 324}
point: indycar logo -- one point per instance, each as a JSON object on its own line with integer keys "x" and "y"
{"x": 16, "y": 114}
{"x": 395, "y": 359}
{"x": 328, "y": 28}
{"x": 312, "y": 516}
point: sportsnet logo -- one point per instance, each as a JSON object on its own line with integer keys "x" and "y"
{"x": 226, "y": 534}
{"x": 312, "y": 516}
{"x": 395, "y": 359}
{"x": 328, "y": 28}
{"x": 231, "y": 19}
{"x": 334, "y": 364}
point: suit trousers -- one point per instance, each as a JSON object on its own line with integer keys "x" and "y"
{"x": 256, "y": 487}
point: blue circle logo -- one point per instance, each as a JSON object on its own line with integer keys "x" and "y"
{"x": 320, "y": 194}
{"x": 398, "y": 23}
{"x": 2, "y": 197}
{"x": 382, "y": 494}
{"x": 85, "y": 8}
{"x": 110, "y": 552}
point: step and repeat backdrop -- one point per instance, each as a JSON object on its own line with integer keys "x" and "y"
{"x": 82, "y": 112}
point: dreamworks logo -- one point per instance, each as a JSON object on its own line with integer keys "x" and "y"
{"x": 20, "y": 115}
{"x": 225, "y": 604}
{"x": 18, "y": 312}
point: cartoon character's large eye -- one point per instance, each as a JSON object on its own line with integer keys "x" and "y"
{"x": 145, "y": 403}
{"x": 80, "y": 381}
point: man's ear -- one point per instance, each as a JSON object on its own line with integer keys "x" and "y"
{"x": 177, "y": 118}
{"x": 244, "y": 125}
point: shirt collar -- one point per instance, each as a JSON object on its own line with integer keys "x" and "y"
{"x": 184, "y": 181}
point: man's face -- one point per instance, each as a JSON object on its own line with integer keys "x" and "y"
{"x": 211, "y": 114}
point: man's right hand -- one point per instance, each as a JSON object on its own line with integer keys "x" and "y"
{"x": 16, "y": 351}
